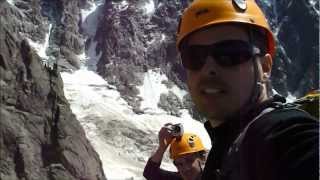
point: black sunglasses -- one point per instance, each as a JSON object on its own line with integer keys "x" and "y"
{"x": 225, "y": 53}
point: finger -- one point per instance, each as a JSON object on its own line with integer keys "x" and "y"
{"x": 168, "y": 124}
{"x": 165, "y": 142}
{"x": 169, "y": 140}
{"x": 163, "y": 130}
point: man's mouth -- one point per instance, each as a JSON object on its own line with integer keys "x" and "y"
{"x": 212, "y": 91}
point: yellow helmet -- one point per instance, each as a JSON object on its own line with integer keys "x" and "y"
{"x": 187, "y": 143}
{"x": 204, "y": 13}
{"x": 312, "y": 94}
{"x": 310, "y": 103}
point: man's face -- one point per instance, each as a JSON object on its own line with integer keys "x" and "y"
{"x": 217, "y": 90}
{"x": 189, "y": 166}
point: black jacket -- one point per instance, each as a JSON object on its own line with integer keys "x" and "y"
{"x": 152, "y": 171}
{"x": 280, "y": 145}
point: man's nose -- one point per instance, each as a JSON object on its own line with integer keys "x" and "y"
{"x": 210, "y": 67}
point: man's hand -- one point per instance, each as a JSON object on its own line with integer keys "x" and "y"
{"x": 165, "y": 138}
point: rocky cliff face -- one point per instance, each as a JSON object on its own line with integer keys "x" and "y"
{"x": 133, "y": 39}
{"x": 40, "y": 138}
{"x": 296, "y": 26}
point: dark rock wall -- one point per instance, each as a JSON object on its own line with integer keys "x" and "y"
{"x": 296, "y": 24}
{"x": 40, "y": 138}
{"x": 66, "y": 42}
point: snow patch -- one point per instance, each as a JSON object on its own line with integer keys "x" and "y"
{"x": 89, "y": 18}
{"x": 314, "y": 4}
{"x": 11, "y": 2}
{"x": 41, "y": 48}
{"x": 159, "y": 5}
{"x": 90, "y": 58}
{"x": 267, "y": 3}
{"x": 85, "y": 12}
{"x": 89, "y": 25}
{"x": 163, "y": 37}
{"x": 94, "y": 90}
{"x": 82, "y": 58}
{"x": 93, "y": 57}
{"x": 149, "y": 7}
{"x": 152, "y": 88}
{"x": 290, "y": 98}
{"x": 123, "y": 5}
{"x": 274, "y": 92}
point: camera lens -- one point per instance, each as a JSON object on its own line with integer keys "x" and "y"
{"x": 177, "y": 129}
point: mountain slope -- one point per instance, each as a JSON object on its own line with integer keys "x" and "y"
{"x": 40, "y": 136}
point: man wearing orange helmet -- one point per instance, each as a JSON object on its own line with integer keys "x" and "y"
{"x": 227, "y": 49}
{"x": 186, "y": 151}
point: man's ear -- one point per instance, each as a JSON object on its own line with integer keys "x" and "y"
{"x": 267, "y": 64}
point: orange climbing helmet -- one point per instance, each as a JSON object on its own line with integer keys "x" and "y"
{"x": 187, "y": 143}
{"x": 204, "y": 13}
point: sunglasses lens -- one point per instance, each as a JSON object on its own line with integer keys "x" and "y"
{"x": 193, "y": 57}
{"x": 231, "y": 53}
{"x": 226, "y": 53}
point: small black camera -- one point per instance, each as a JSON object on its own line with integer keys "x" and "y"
{"x": 175, "y": 129}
